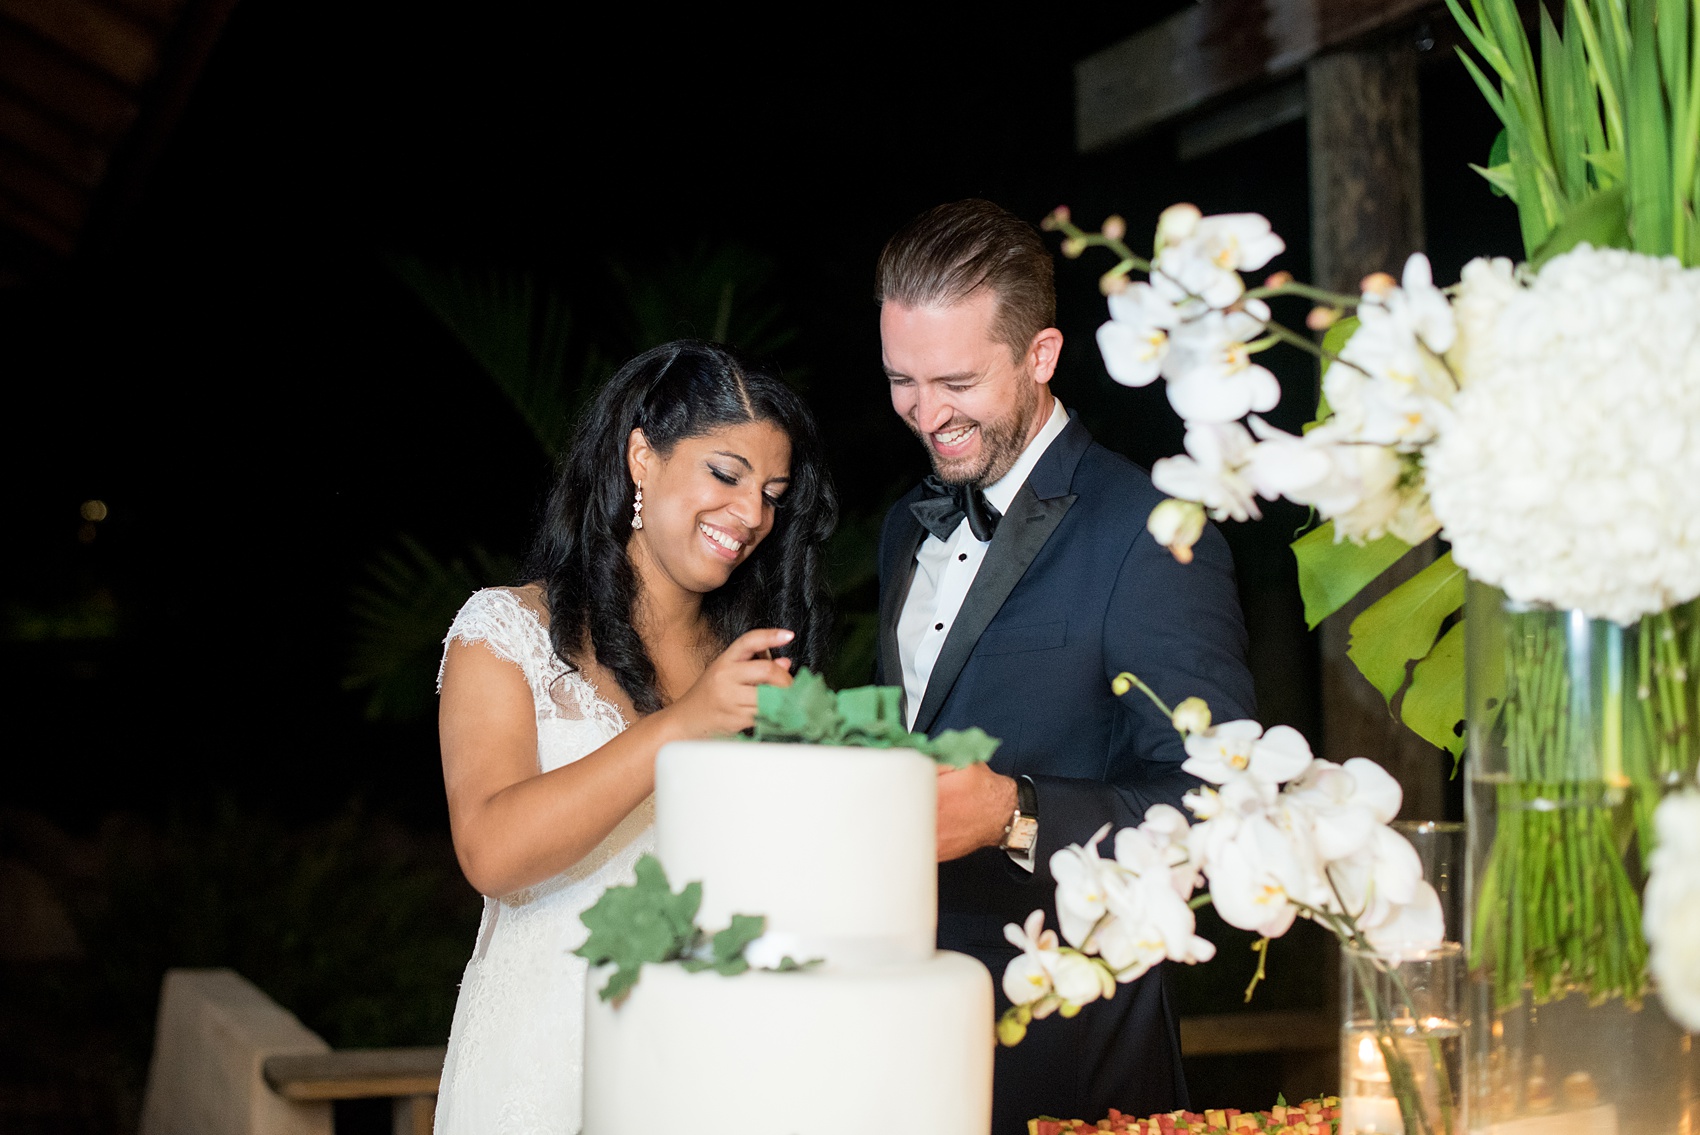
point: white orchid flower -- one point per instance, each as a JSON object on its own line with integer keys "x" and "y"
{"x": 1384, "y": 874}
{"x": 1255, "y": 876}
{"x": 1211, "y": 472}
{"x": 1135, "y": 340}
{"x": 1203, "y": 256}
{"x": 1411, "y": 927}
{"x": 1078, "y": 872}
{"x": 1079, "y": 980}
{"x": 1234, "y": 749}
{"x": 1344, "y": 804}
{"x": 1166, "y": 842}
{"x": 1028, "y": 977}
{"x": 1425, "y": 306}
{"x": 1127, "y": 941}
{"x": 1211, "y": 377}
{"x": 1367, "y": 490}
{"x": 1177, "y": 525}
{"x": 1392, "y": 386}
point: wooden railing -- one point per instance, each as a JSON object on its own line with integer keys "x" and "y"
{"x": 407, "y": 1075}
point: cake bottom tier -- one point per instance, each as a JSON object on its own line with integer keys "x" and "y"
{"x": 812, "y": 1053}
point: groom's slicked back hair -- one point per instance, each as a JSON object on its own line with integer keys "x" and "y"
{"x": 952, "y": 251}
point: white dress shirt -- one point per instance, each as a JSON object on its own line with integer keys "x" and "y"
{"x": 945, "y": 570}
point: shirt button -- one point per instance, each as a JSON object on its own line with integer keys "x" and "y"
{"x": 962, "y": 556}
{"x": 938, "y": 626}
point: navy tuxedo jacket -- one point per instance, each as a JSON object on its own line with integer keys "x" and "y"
{"x": 1073, "y": 591}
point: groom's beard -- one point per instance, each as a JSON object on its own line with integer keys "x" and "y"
{"x": 1001, "y": 441}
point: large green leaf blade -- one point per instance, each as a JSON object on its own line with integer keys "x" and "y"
{"x": 1433, "y": 706}
{"x": 1647, "y": 139}
{"x": 1600, "y": 220}
{"x": 1403, "y": 624}
{"x": 1331, "y": 572}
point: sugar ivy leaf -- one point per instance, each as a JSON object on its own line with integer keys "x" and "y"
{"x": 619, "y": 984}
{"x": 871, "y": 708}
{"x": 959, "y": 748}
{"x": 642, "y": 922}
{"x": 805, "y": 711}
{"x": 788, "y": 964}
{"x": 731, "y": 967}
{"x": 730, "y": 942}
{"x": 695, "y": 965}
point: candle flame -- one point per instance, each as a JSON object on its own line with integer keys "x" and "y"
{"x": 1366, "y": 1051}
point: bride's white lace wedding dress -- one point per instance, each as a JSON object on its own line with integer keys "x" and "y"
{"x": 516, "y": 1050}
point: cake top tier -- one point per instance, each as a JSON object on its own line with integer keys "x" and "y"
{"x": 834, "y": 845}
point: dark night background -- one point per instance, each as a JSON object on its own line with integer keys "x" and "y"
{"x": 237, "y": 371}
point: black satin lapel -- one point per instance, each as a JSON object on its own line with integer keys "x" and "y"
{"x": 1021, "y": 533}
{"x": 899, "y": 574}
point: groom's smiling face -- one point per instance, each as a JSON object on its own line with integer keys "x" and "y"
{"x": 973, "y": 402}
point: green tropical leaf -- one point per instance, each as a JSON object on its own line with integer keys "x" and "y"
{"x": 400, "y": 612}
{"x": 517, "y": 330}
{"x": 1331, "y": 572}
{"x": 1647, "y": 139}
{"x": 1499, "y": 179}
{"x": 1433, "y": 706}
{"x": 1402, "y": 625}
{"x": 1599, "y": 220}
{"x": 725, "y": 293}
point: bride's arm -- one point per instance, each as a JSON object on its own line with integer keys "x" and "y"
{"x": 514, "y": 826}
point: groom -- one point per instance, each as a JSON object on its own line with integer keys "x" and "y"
{"x": 1015, "y": 583}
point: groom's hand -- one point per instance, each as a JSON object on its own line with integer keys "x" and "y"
{"x": 975, "y": 806}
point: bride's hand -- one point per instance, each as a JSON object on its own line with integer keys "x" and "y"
{"x": 723, "y": 700}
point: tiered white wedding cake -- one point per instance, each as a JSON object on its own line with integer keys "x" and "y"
{"x": 835, "y": 846}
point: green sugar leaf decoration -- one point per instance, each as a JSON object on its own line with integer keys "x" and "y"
{"x": 807, "y": 712}
{"x": 729, "y": 943}
{"x": 643, "y": 922}
{"x": 959, "y": 748}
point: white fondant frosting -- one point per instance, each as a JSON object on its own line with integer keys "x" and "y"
{"x": 898, "y": 1048}
{"x": 835, "y": 846}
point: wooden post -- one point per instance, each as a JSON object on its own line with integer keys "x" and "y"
{"x": 1367, "y": 215}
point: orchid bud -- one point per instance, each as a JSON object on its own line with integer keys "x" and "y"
{"x": 1322, "y": 318}
{"x": 1114, "y": 227}
{"x": 1011, "y": 1031}
{"x": 1377, "y": 284}
{"x": 1177, "y": 525}
{"x": 1192, "y": 715}
{"x": 1121, "y": 683}
{"x": 1073, "y": 247}
{"x": 1055, "y": 219}
{"x": 1278, "y": 280}
{"x": 1176, "y": 223}
{"x": 1113, "y": 282}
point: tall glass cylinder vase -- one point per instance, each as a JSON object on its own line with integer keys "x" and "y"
{"x": 1577, "y": 728}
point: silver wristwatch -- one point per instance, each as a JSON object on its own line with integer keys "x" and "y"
{"x": 1021, "y": 834}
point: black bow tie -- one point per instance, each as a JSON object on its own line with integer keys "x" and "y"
{"x": 942, "y": 507}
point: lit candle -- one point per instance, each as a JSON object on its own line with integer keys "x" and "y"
{"x": 1369, "y": 1107}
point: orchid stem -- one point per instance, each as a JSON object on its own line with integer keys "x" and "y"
{"x": 1147, "y": 691}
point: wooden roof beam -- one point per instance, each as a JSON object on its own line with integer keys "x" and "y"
{"x": 1212, "y": 50}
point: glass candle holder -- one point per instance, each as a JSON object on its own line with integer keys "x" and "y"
{"x": 1402, "y": 1042}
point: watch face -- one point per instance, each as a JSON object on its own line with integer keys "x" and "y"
{"x": 1023, "y": 834}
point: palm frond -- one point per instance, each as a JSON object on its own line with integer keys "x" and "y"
{"x": 401, "y": 614}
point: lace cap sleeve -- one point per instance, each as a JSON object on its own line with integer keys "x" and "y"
{"x": 497, "y": 618}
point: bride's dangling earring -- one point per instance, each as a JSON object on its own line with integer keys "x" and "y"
{"x": 637, "y": 507}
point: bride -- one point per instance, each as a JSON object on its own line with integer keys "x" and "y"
{"x": 679, "y": 553}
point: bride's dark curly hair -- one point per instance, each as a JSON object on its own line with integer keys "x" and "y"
{"x": 681, "y": 390}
